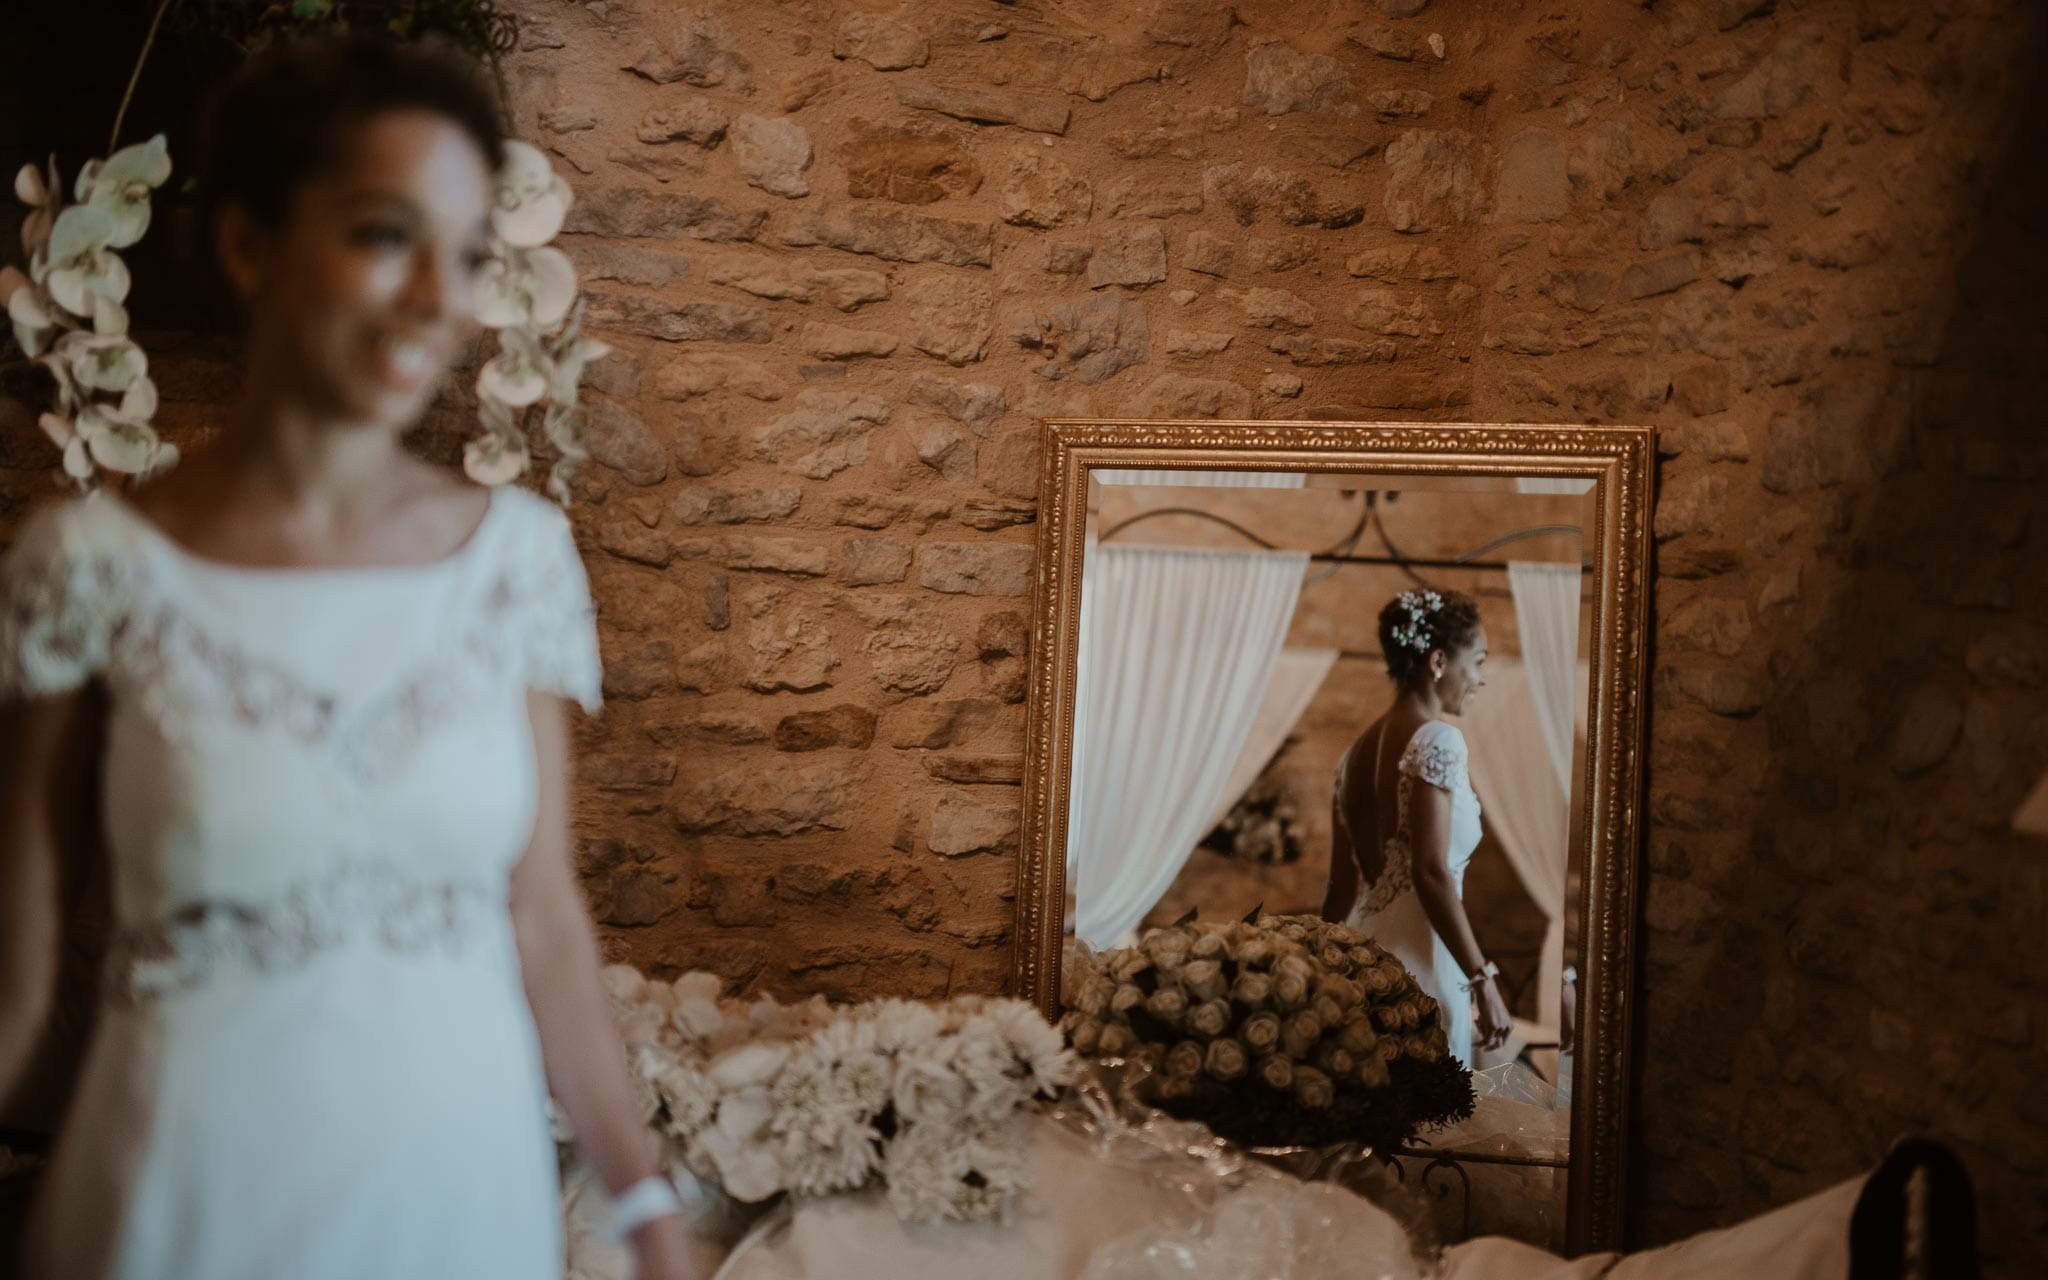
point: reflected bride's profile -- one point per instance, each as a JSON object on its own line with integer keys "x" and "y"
{"x": 1397, "y": 872}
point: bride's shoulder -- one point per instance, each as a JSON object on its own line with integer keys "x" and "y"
{"x": 1436, "y": 753}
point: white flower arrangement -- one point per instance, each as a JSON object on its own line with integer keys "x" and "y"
{"x": 810, "y": 1098}
{"x": 68, "y": 315}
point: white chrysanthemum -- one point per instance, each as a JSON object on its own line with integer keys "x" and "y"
{"x": 844, "y": 1163}
{"x": 848, "y": 1036}
{"x": 865, "y": 1081}
{"x": 689, "y": 1096}
{"x": 526, "y": 287}
{"x": 901, "y": 1024}
{"x": 925, "y": 1169}
{"x": 927, "y": 1085}
{"x": 121, "y": 186}
{"x": 1035, "y": 1042}
{"x": 532, "y": 198}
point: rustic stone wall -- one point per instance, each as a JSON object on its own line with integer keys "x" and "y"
{"x": 850, "y": 254}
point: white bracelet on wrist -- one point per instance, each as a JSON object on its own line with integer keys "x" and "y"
{"x": 1477, "y": 979}
{"x": 654, "y": 1196}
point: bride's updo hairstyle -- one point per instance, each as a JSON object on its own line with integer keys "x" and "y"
{"x": 1417, "y": 623}
{"x": 285, "y": 118}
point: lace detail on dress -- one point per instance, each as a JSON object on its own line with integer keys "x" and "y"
{"x": 560, "y": 630}
{"x": 57, "y": 611}
{"x": 1440, "y": 762}
{"x": 376, "y": 903}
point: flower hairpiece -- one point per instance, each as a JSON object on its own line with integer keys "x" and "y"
{"x": 1415, "y": 633}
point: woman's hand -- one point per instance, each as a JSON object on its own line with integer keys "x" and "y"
{"x": 661, "y": 1251}
{"x": 1494, "y": 1022}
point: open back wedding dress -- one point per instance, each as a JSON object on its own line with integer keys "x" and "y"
{"x": 1388, "y": 909}
{"x": 314, "y": 1057}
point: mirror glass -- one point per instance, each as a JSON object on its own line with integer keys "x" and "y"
{"x": 1233, "y": 697}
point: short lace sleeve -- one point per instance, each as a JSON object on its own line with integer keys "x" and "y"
{"x": 57, "y": 607}
{"x": 1437, "y": 756}
{"x": 559, "y": 645}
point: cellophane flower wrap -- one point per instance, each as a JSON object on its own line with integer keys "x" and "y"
{"x": 812, "y": 1098}
{"x": 1286, "y": 1031}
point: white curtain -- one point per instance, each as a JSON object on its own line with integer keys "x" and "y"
{"x": 1547, "y": 618}
{"x": 1521, "y": 730}
{"x": 1177, "y": 650}
{"x": 1296, "y": 677}
{"x": 1525, "y": 809}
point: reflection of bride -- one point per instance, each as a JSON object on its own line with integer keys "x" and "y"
{"x": 1412, "y": 856}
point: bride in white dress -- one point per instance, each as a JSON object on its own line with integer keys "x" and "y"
{"x": 1397, "y": 871}
{"x": 305, "y": 697}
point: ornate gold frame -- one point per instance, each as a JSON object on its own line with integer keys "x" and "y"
{"x": 1619, "y": 460}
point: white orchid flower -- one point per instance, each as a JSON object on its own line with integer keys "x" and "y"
{"x": 108, "y": 316}
{"x": 499, "y": 456}
{"x": 120, "y": 187}
{"x": 519, "y": 374}
{"x": 117, "y": 444}
{"x": 103, "y": 362}
{"x": 80, "y": 266}
{"x": 526, "y": 286}
{"x": 532, "y": 198}
{"x": 34, "y": 191}
{"x": 58, "y": 428}
{"x": 494, "y": 460}
{"x": 138, "y": 403}
{"x": 32, "y": 320}
{"x": 569, "y": 361}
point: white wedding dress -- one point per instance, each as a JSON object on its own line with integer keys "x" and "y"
{"x": 1389, "y": 910}
{"x": 314, "y": 1059}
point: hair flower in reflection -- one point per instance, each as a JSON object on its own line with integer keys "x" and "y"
{"x": 1416, "y": 633}
{"x": 1283, "y": 1031}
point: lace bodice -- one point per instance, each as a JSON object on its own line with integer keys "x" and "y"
{"x": 301, "y": 760}
{"x": 1436, "y": 756}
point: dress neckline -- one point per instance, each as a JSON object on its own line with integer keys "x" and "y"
{"x": 179, "y": 551}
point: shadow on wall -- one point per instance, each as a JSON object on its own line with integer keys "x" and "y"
{"x": 1865, "y": 936}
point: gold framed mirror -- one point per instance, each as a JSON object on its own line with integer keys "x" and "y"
{"x": 1292, "y": 537}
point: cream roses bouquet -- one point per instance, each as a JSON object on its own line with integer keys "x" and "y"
{"x": 1283, "y": 1031}
{"x": 813, "y": 1098}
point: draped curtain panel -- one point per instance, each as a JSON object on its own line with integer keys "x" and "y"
{"x": 1525, "y": 808}
{"x": 1547, "y": 618}
{"x": 1178, "y": 648}
{"x": 1296, "y": 677}
{"x": 1521, "y": 730}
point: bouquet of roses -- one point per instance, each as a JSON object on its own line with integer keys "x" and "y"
{"x": 1284, "y": 1031}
